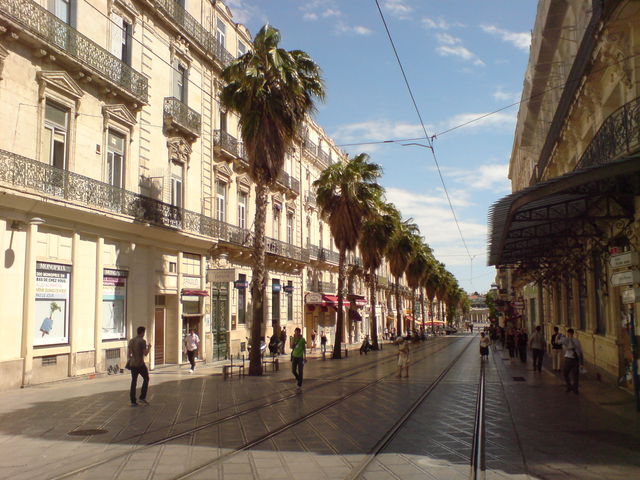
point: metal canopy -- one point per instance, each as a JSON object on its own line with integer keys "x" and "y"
{"x": 552, "y": 220}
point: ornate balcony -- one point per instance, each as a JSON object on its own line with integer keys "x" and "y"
{"x": 619, "y": 135}
{"x": 310, "y": 147}
{"x": 310, "y": 198}
{"x": 31, "y": 175}
{"x": 324, "y": 255}
{"x": 226, "y": 143}
{"x": 289, "y": 182}
{"x": 194, "y": 30}
{"x": 321, "y": 287}
{"x": 324, "y": 157}
{"x": 71, "y": 46}
{"x": 178, "y": 115}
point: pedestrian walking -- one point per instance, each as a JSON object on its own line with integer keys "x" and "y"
{"x": 298, "y": 357}
{"x": 386, "y": 333}
{"x": 403, "y": 357}
{"x": 523, "y": 341}
{"x": 556, "y": 348}
{"x": 484, "y": 346}
{"x": 314, "y": 334}
{"x": 283, "y": 339}
{"x": 323, "y": 342}
{"x": 572, "y": 353}
{"x": 510, "y": 342}
{"x": 538, "y": 345}
{"x": 191, "y": 344}
{"x": 137, "y": 350}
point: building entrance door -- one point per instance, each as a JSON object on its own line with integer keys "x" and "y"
{"x": 158, "y": 342}
{"x": 219, "y": 315}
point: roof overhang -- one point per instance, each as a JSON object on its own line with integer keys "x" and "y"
{"x": 556, "y": 218}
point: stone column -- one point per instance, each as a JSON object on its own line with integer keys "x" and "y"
{"x": 97, "y": 321}
{"x": 178, "y": 288}
{"x": 73, "y": 315}
{"x": 28, "y": 303}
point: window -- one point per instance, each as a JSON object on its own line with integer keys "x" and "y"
{"x": 221, "y": 201}
{"x": 276, "y": 222}
{"x": 600, "y": 282}
{"x": 290, "y": 301}
{"x": 223, "y": 121}
{"x": 242, "y": 48}
{"x": 242, "y": 301}
{"x": 115, "y": 159}
{"x": 54, "y": 139}
{"x": 308, "y": 232}
{"x": 320, "y": 238}
{"x": 221, "y": 32}
{"x": 61, "y": 9}
{"x": 290, "y": 228}
{"x": 582, "y": 295}
{"x": 180, "y": 82}
{"x": 275, "y": 302}
{"x": 176, "y": 184}
{"x": 568, "y": 282}
{"x": 242, "y": 210}
{"x": 121, "y": 38}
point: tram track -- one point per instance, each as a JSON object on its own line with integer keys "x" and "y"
{"x": 431, "y": 349}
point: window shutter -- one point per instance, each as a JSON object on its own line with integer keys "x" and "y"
{"x": 117, "y": 35}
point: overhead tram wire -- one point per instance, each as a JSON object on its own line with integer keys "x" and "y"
{"x": 427, "y": 137}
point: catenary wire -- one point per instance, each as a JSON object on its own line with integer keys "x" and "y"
{"x": 429, "y": 140}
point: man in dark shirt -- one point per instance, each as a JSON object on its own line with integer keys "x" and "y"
{"x": 138, "y": 349}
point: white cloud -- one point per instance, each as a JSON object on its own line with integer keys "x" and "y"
{"x": 439, "y": 23}
{"x": 434, "y": 218}
{"x": 503, "y": 119}
{"x": 398, "y": 8}
{"x": 503, "y": 96}
{"x": 460, "y": 52}
{"x": 331, "y": 12}
{"x": 376, "y": 130}
{"x": 343, "y": 27}
{"x": 492, "y": 176}
{"x": 521, "y": 40}
{"x": 311, "y": 16}
{"x": 243, "y": 11}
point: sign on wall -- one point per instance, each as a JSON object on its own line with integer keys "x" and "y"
{"x": 114, "y": 303}
{"x": 53, "y": 284}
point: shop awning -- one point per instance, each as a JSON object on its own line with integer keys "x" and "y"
{"x": 553, "y": 220}
{"x": 195, "y": 293}
{"x": 332, "y": 300}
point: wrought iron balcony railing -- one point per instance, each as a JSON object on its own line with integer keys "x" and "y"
{"x": 29, "y": 174}
{"x": 619, "y": 135}
{"x": 195, "y": 31}
{"x": 321, "y": 287}
{"x": 310, "y": 198}
{"x": 178, "y": 114}
{"x": 310, "y": 147}
{"x": 324, "y": 255}
{"x": 324, "y": 157}
{"x": 288, "y": 181}
{"x": 57, "y": 34}
{"x": 227, "y": 142}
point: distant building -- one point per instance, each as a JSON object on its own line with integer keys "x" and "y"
{"x": 478, "y": 311}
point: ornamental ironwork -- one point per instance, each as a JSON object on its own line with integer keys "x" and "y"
{"x": 618, "y": 136}
{"x": 324, "y": 157}
{"x": 178, "y": 114}
{"x": 40, "y": 177}
{"x": 226, "y": 142}
{"x": 58, "y": 34}
{"x": 310, "y": 147}
{"x": 288, "y": 181}
{"x": 310, "y": 198}
{"x": 195, "y": 31}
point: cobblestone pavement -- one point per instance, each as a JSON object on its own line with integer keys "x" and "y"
{"x": 196, "y": 423}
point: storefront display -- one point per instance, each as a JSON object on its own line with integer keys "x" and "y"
{"x": 53, "y": 284}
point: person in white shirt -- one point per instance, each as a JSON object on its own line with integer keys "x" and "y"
{"x": 572, "y": 353}
{"x": 556, "y": 349}
{"x": 191, "y": 343}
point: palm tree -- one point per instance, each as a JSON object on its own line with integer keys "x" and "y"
{"x": 399, "y": 253}
{"x": 376, "y": 233}
{"x": 418, "y": 268}
{"x": 346, "y": 194}
{"x": 430, "y": 284}
{"x": 272, "y": 90}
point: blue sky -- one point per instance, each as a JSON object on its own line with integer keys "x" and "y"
{"x": 463, "y": 58}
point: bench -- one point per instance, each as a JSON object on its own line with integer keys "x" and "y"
{"x": 273, "y": 361}
{"x": 227, "y": 370}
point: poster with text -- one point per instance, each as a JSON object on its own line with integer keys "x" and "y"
{"x": 53, "y": 282}
{"x": 114, "y": 300}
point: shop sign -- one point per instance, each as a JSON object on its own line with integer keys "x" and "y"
{"x": 223, "y": 275}
{"x": 627, "y": 259}
{"x": 275, "y": 288}
{"x": 288, "y": 288}
{"x": 190, "y": 282}
{"x": 240, "y": 284}
{"x": 631, "y": 295}
{"x": 114, "y": 300}
{"x": 53, "y": 283}
{"x": 628, "y": 277}
{"x": 313, "y": 297}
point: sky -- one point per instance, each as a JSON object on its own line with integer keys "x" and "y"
{"x": 462, "y": 59}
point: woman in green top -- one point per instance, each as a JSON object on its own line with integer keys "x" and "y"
{"x": 298, "y": 356}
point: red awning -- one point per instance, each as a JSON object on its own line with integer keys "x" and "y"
{"x": 332, "y": 301}
{"x": 197, "y": 293}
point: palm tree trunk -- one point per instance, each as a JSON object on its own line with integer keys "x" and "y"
{"x": 373, "y": 280}
{"x": 337, "y": 346}
{"x": 398, "y": 309}
{"x": 424, "y": 317}
{"x": 258, "y": 280}
{"x": 413, "y": 311}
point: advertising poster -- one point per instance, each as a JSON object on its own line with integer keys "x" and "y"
{"x": 53, "y": 282}
{"x": 114, "y": 302}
